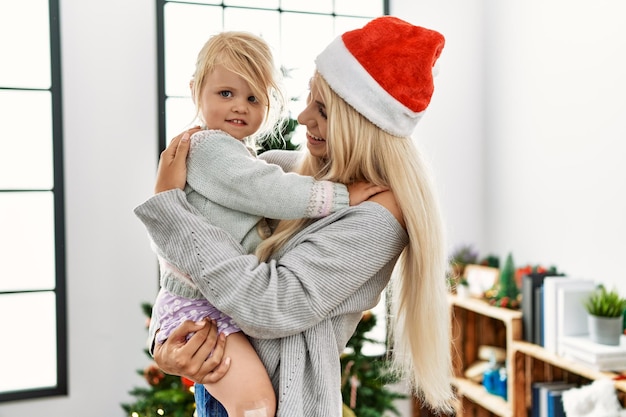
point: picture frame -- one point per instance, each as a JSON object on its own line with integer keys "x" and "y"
{"x": 481, "y": 278}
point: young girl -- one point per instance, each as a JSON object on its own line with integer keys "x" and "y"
{"x": 236, "y": 93}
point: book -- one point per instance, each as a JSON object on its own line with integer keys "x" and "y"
{"x": 539, "y": 396}
{"x": 604, "y": 365}
{"x": 530, "y": 283}
{"x": 538, "y": 318}
{"x": 555, "y": 402}
{"x": 571, "y": 308}
{"x": 534, "y": 398}
{"x": 549, "y": 312}
{"x": 544, "y": 396}
{"x": 595, "y": 355}
{"x": 555, "y": 315}
{"x": 527, "y": 308}
{"x": 571, "y": 314}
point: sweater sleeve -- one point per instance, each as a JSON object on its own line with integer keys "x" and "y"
{"x": 222, "y": 170}
{"x": 318, "y": 270}
{"x": 287, "y": 160}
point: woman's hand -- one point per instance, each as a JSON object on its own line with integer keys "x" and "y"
{"x": 172, "y": 171}
{"x": 190, "y": 358}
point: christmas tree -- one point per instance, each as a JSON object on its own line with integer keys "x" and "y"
{"x": 365, "y": 378}
{"x": 285, "y": 129}
{"x": 166, "y": 395}
{"x": 506, "y": 293}
{"x": 282, "y": 133}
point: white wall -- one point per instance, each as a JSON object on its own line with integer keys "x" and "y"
{"x": 534, "y": 92}
{"x": 110, "y": 120}
{"x": 523, "y": 132}
{"x": 556, "y": 136}
{"x": 451, "y": 132}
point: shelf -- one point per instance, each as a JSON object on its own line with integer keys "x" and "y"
{"x": 565, "y": 364}
{"x": 475, "y": 323}
{"x": 532, "y": 363}
{"x": 482, "y": 307}
{"x": 479, "y": 395}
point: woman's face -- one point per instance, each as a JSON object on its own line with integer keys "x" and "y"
{"x": 314, "y": 118}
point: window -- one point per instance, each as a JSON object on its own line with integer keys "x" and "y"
{"x": 297, "y": 30}
{"x": 32, "y": 281}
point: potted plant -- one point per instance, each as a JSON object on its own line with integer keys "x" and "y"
{"x": 462, "y": 256}
{"x": 462, "y": 288}
{"x": 605, "y": 319}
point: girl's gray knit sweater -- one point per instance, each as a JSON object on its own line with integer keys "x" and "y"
{"x": 301, "y": 307}
{"x": 236, "y": 191}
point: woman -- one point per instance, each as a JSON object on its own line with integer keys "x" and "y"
{"x": 302, "y": 295}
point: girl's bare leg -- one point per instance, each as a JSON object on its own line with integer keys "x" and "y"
{"x": 245, "y": 390}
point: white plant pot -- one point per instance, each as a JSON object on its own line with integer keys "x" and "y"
{"x": 605, "y": 330}
{"x": 462, "y": 291}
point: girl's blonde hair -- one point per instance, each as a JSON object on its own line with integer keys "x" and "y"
{"x": 420, "y": 314}
{"x": 250, "y": 57}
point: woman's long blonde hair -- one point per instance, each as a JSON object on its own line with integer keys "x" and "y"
{"x": 420, "y": 314}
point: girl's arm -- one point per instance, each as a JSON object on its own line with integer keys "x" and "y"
{"x": 287, "y": 160}
{"x": 318, "y": 271}
{"x": 222, "y": 170}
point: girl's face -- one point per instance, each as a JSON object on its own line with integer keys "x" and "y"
{"x": 227, "y": 103}
{"x": 314, "y": 118}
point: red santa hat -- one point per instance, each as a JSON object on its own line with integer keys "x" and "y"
{"x": 385, "y": 71}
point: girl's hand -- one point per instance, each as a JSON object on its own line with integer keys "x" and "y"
{"x": 361, "y": 191}
{"x": 200, "y": 358}
{"x": 172, "y": 171}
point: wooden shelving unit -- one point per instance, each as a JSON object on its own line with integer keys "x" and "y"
{"x": 532, "y": 363}
{"x": 475, "y": 323}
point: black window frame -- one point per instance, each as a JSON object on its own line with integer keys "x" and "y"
{"x": 162, "y": 97}
{"x": 59, "y": 220}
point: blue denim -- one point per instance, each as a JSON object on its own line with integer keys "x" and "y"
{"x": 207, "y": 406}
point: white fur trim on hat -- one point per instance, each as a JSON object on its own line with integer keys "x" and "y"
{"x": 346, "y": 75}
